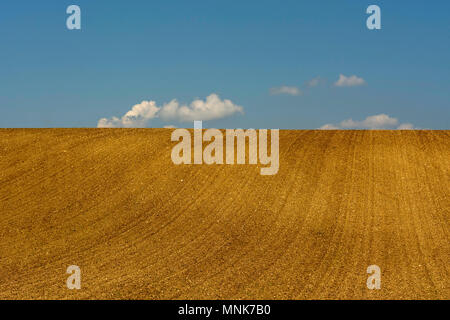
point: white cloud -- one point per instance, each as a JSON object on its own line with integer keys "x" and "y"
{"x": 293, "y": 91}
{"x": 140, "y": 114}
{"x": 212, "y": 108}
{"x": 329, "y": 126}
{"x": 406, "y": 126}
{"x": 313, "y": 82}
{"x": 351, "y": 81}
{"x": 137, "y": 117}
{"x": 170, "y": 126}
{"x": 377, "y": 122}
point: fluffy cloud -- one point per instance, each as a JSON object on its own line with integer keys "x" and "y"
{"x": 293, "y": 91}
{"x": 406, "y": 126}
{"x": 137, "y": 117}
{"x": 377, "y": 122}
{"x": 212, "y": 108}
{"x": 140, "y": 114}
{"x": 329, "y": 126}
{"x": 351, "y": 81}
{"x": 313, "y": 82}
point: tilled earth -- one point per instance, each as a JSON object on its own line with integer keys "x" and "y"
{"x": 112, "y": 202}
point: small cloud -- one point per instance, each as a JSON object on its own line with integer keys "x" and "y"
{"x": 137, "y": 117}
{"x": 406, "y": 126}
{"x": 313, "y": 82}
{"x": 293, "y": 91}
{"x": 210, "y": 109}
{"x": 329, "y": 126}
{"x": 169, "y": 127}
{"x": 140, "y": 114}
{"x": 376, "y": 122}
{"x": 352, "y": 81}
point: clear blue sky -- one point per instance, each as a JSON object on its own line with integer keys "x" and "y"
{"x": 129, "y": 51}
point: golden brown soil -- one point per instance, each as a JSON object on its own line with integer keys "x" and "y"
{"x": 112, "y": 202}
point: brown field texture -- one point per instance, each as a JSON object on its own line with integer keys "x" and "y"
{"x": 112, "y": 202}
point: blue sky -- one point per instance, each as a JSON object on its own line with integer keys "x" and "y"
{"x": 133, "y": 51}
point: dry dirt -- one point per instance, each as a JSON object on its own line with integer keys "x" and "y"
{"x": 112, "y": 202}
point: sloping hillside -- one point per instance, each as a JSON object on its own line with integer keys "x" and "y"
{"x": 112, "y": 202}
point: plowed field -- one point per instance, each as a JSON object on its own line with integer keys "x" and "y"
{"x": 112, "y": 202}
